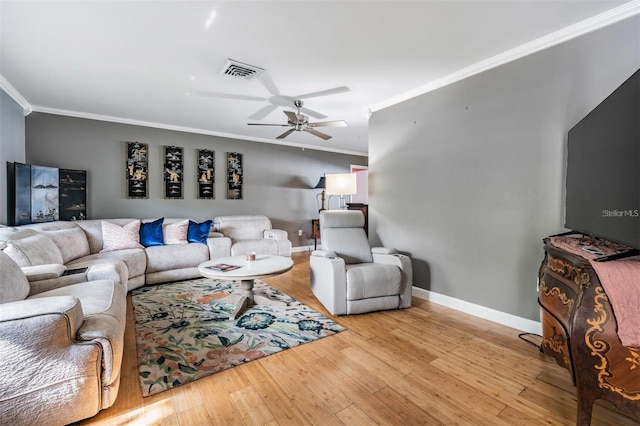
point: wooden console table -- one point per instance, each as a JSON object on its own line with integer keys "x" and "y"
{"x": 315, "y": 232}
{"x": 579, "y": 330}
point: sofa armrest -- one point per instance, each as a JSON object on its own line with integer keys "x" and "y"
{"x": 406, "y": 268}
{"x": 276, "y": 234}
{"x": 325, "y": 253}
{"x": 67, "y": 306}
{"x": 329, "y": 281}
{"x": 383, "y": 250}
{"x": 219, "y": 246}
{"x": 43, "y": 272}
{"x": 43, "y": 370}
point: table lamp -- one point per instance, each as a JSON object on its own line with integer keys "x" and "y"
{"x": 321, "y": 185}
{"x": 341, "y": 184}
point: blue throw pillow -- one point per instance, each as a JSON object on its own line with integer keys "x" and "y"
{"x": 198, "y": 232}
{"x": 151, "y": 233}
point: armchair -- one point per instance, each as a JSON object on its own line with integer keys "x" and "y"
{"x": 60, "y": 350}
{"x": 253, "y": 233}
{"x": 349, "y": 277}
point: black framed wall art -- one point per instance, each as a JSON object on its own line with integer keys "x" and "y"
{"x": 173, "y": 172}
{"x": 205, "y": 174}
{"x": 137, "y": 164}
{"x": 234, "y": 176}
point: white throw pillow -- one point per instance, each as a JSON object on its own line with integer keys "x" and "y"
{"x": 116, "y": 237}
{"x": 175, "y": 233}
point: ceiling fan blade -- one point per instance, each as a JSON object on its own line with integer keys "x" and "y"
{"x": 327, "y": 92}
{"x": 285, "y": 134}
{"x": 263, "y": 112}
{"x": 292, "y": 116}
{"x": 267, "y": 124}
{"x": 318, "y": 134}
{"x": 337, "y": 123}
{"x": 268, "y": 83}
{"x": 312, "y": 113}
{"x": 220, "y": 95}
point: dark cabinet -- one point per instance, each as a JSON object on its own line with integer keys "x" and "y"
{"x": 579, "y": 330}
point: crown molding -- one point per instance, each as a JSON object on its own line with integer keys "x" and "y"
{"x": 15, "y": 95}
{"x": 594, "y": 23}
{"x": 132, "y": 122}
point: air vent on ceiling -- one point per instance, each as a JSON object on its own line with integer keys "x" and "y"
{"x": 238, "y": 69}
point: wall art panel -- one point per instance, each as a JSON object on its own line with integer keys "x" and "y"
{"x": 206, "y": 174}
{"x": 234, "y": 176}
{"x": 173, "y": 172}
{"x": 137, "y": 170}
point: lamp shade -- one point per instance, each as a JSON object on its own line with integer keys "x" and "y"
{"x": 341, "y": 184}
{"x": 321, "y": 184}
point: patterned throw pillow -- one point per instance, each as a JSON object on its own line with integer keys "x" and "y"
{"x": 198, "y": 232}
{"x": 116, "y": 237}
{"x": 151, "y": 233}
{"x": 176, "y": 233}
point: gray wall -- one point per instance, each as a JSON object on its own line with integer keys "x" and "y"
{"x": 469, "y": 178}
{"x": 12, "y": 143}
{"x": 277, "y": 179}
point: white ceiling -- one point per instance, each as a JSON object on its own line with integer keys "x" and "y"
{"x": 159, "y": 63}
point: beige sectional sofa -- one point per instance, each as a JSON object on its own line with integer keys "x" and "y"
{"x": 63, "y": 292}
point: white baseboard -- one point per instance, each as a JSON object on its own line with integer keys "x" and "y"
{"x": 499, "y": 317}
{"x": 301, "y": 249}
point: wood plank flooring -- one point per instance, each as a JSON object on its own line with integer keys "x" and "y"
{"x": 425, "y": 365}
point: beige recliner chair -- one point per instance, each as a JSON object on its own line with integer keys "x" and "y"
{"x": 253, "y": 233}
{"x": 350, "y": 277}
{"x": 60, "y": 350}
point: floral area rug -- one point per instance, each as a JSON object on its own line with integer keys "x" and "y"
{"x": 184, "y": 334}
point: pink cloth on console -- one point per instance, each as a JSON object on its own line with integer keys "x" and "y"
{"x": 620, "y": 280}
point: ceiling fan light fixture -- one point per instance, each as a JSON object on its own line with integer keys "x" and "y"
{"x": 241, "y": 70}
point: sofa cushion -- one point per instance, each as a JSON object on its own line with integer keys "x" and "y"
{"x": 13, "y": 283}
{"x": 365, "y": 281}
{"x": 198, "y": 232}
{"x": 170, "y": 257}
{"x": 260, "y": 246}
{"x": 115, "y": 237}
{"x": 36, "y": 249}
{"x": 151, "y": 233}
{"x": 176, "y": 233}
{"x": 72, "y": 243}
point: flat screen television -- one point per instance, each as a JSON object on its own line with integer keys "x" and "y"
{"x": 603, "y": 169}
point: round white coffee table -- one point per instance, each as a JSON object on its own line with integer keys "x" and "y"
{"x": 263, "y": 266}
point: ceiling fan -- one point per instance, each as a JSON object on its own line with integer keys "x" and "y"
{"x": 300, "y": 123}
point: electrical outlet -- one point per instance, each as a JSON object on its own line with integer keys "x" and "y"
{"x": 300, "y": 232}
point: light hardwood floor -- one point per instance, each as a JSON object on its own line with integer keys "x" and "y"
{"x": 424, "y": 365}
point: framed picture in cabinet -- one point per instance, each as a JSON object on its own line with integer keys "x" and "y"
{"x": 73, "y": 194}
{"x": 44, "y": 194}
